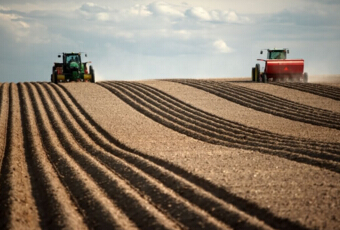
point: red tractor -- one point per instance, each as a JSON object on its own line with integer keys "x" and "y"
{"x": 278, "y": 68}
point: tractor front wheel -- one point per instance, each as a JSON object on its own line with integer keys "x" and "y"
{"x": 264, "y": 78}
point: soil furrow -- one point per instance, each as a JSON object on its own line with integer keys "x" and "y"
{"x": 55, "y": 207}
{"x": 192, "y": 110}
{"x": 184, "y": 190}
{"x": 176, "y": 110}
{"x": 317, "y": 89}
{"x": 98, "y": 210}
{"x": 4, "y": 107}
{"x": 213, "y": 137}
{"x": 203, "y": 120}
{"x": 133, "y": 204}
{"x": 271, "y": 100}
{"x": 278, "y": 102}
{"x": 301, "y": 97}
{"x": 163, "y": 198}
{"x": 229, "y": 125}
{"x": 15, "y": 189}
{"x": 178, "y": 210}
{"x": 274, "y": 100}
{"x": 267, "y": 103}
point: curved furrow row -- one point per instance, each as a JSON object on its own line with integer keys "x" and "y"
{"x": 278, "y": 101}
{"x": 173, "y": 205}
{"x": 145, "y": 177}
{"x": 95, "y": 207}
{"x": 190, "y": 216}
{"x": 301, "y": 110}
{"x": 15, "y": 189}
{"x": 241, "y": 133}
{"x": 4, "y": 107}
{"x": 268, "y": 103}
{"x": 318, "y": 158}
{"x": 317, "y": 89}
{"x": 271, "y": 100}
{"x": 55, "y": 206}
{"x": 106, "y": 199}
{"x": 142, "y": 171}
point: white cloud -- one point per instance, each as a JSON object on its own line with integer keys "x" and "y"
{"x": 92, "y": 11}
{"x": 4, "y": 8}
{"x": 222, "y": 47}
{"x": 102, "y": 16}
{"x": 13, "y": 23}
{"x": 184, "y": 34}
{"x": 199, "y": 13}
{"x": 140, "y": 10}
{"x": 164, "y": 9}
{"x": 215, "y": 15}
{"x": 202, "y": 14}
{"x": 93, "y": 8}
{"x": 232, "y": 17}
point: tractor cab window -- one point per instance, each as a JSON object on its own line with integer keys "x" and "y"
{"x": 72, "y": 58}
{"x": 277, "y": 54}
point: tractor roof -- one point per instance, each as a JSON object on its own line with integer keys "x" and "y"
{"x": 72, "y": 53}
{"x": 277, "y": 49}
{"x": 285, "y": 50}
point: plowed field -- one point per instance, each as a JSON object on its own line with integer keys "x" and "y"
{"x": 169, "y": 154}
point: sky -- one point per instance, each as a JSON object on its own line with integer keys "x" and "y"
{"x": 142, "y": 39}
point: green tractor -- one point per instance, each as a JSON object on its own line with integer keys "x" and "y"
{"x": 72, "y": 69}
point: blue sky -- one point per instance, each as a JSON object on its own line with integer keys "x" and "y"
{"x": 140, "y": 39}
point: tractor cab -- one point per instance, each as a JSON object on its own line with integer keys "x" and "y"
{"x": 276, "y": 53}
{"x": 69, "y": 58}
{"x": 71, "y": 62}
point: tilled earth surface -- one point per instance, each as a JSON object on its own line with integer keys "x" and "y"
{"x": 170, "y": 154}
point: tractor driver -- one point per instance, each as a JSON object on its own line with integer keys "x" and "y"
{"x": 282, "y": 55}
{"x": 278, "y": 55}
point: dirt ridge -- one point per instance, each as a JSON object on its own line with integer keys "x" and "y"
{"x": 61, "y": 169}
{"x": 221, "y": 211}
{"x": 54, "y": 205}
{"x": 170, "y": 181}
{"x": 113, "y": 188}
{"x": 233, "y": 128}
{"x": 272, "y": 105}
{"x": 138, "y": 159}
{"x": 317, "y": 157}
{"x": 15, "y": 197}
{"x": 4, "y": 107}
{"x": 314, "y": 88}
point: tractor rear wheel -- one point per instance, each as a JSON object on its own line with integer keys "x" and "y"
{"x": 257, "y": 72}
{"x": 53, "y": 70}
{"x": 92, "y": 74}
{"x": 252, "y": 74}
{"x": 55, "y": 77}
{"x": 264, "y": 78}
